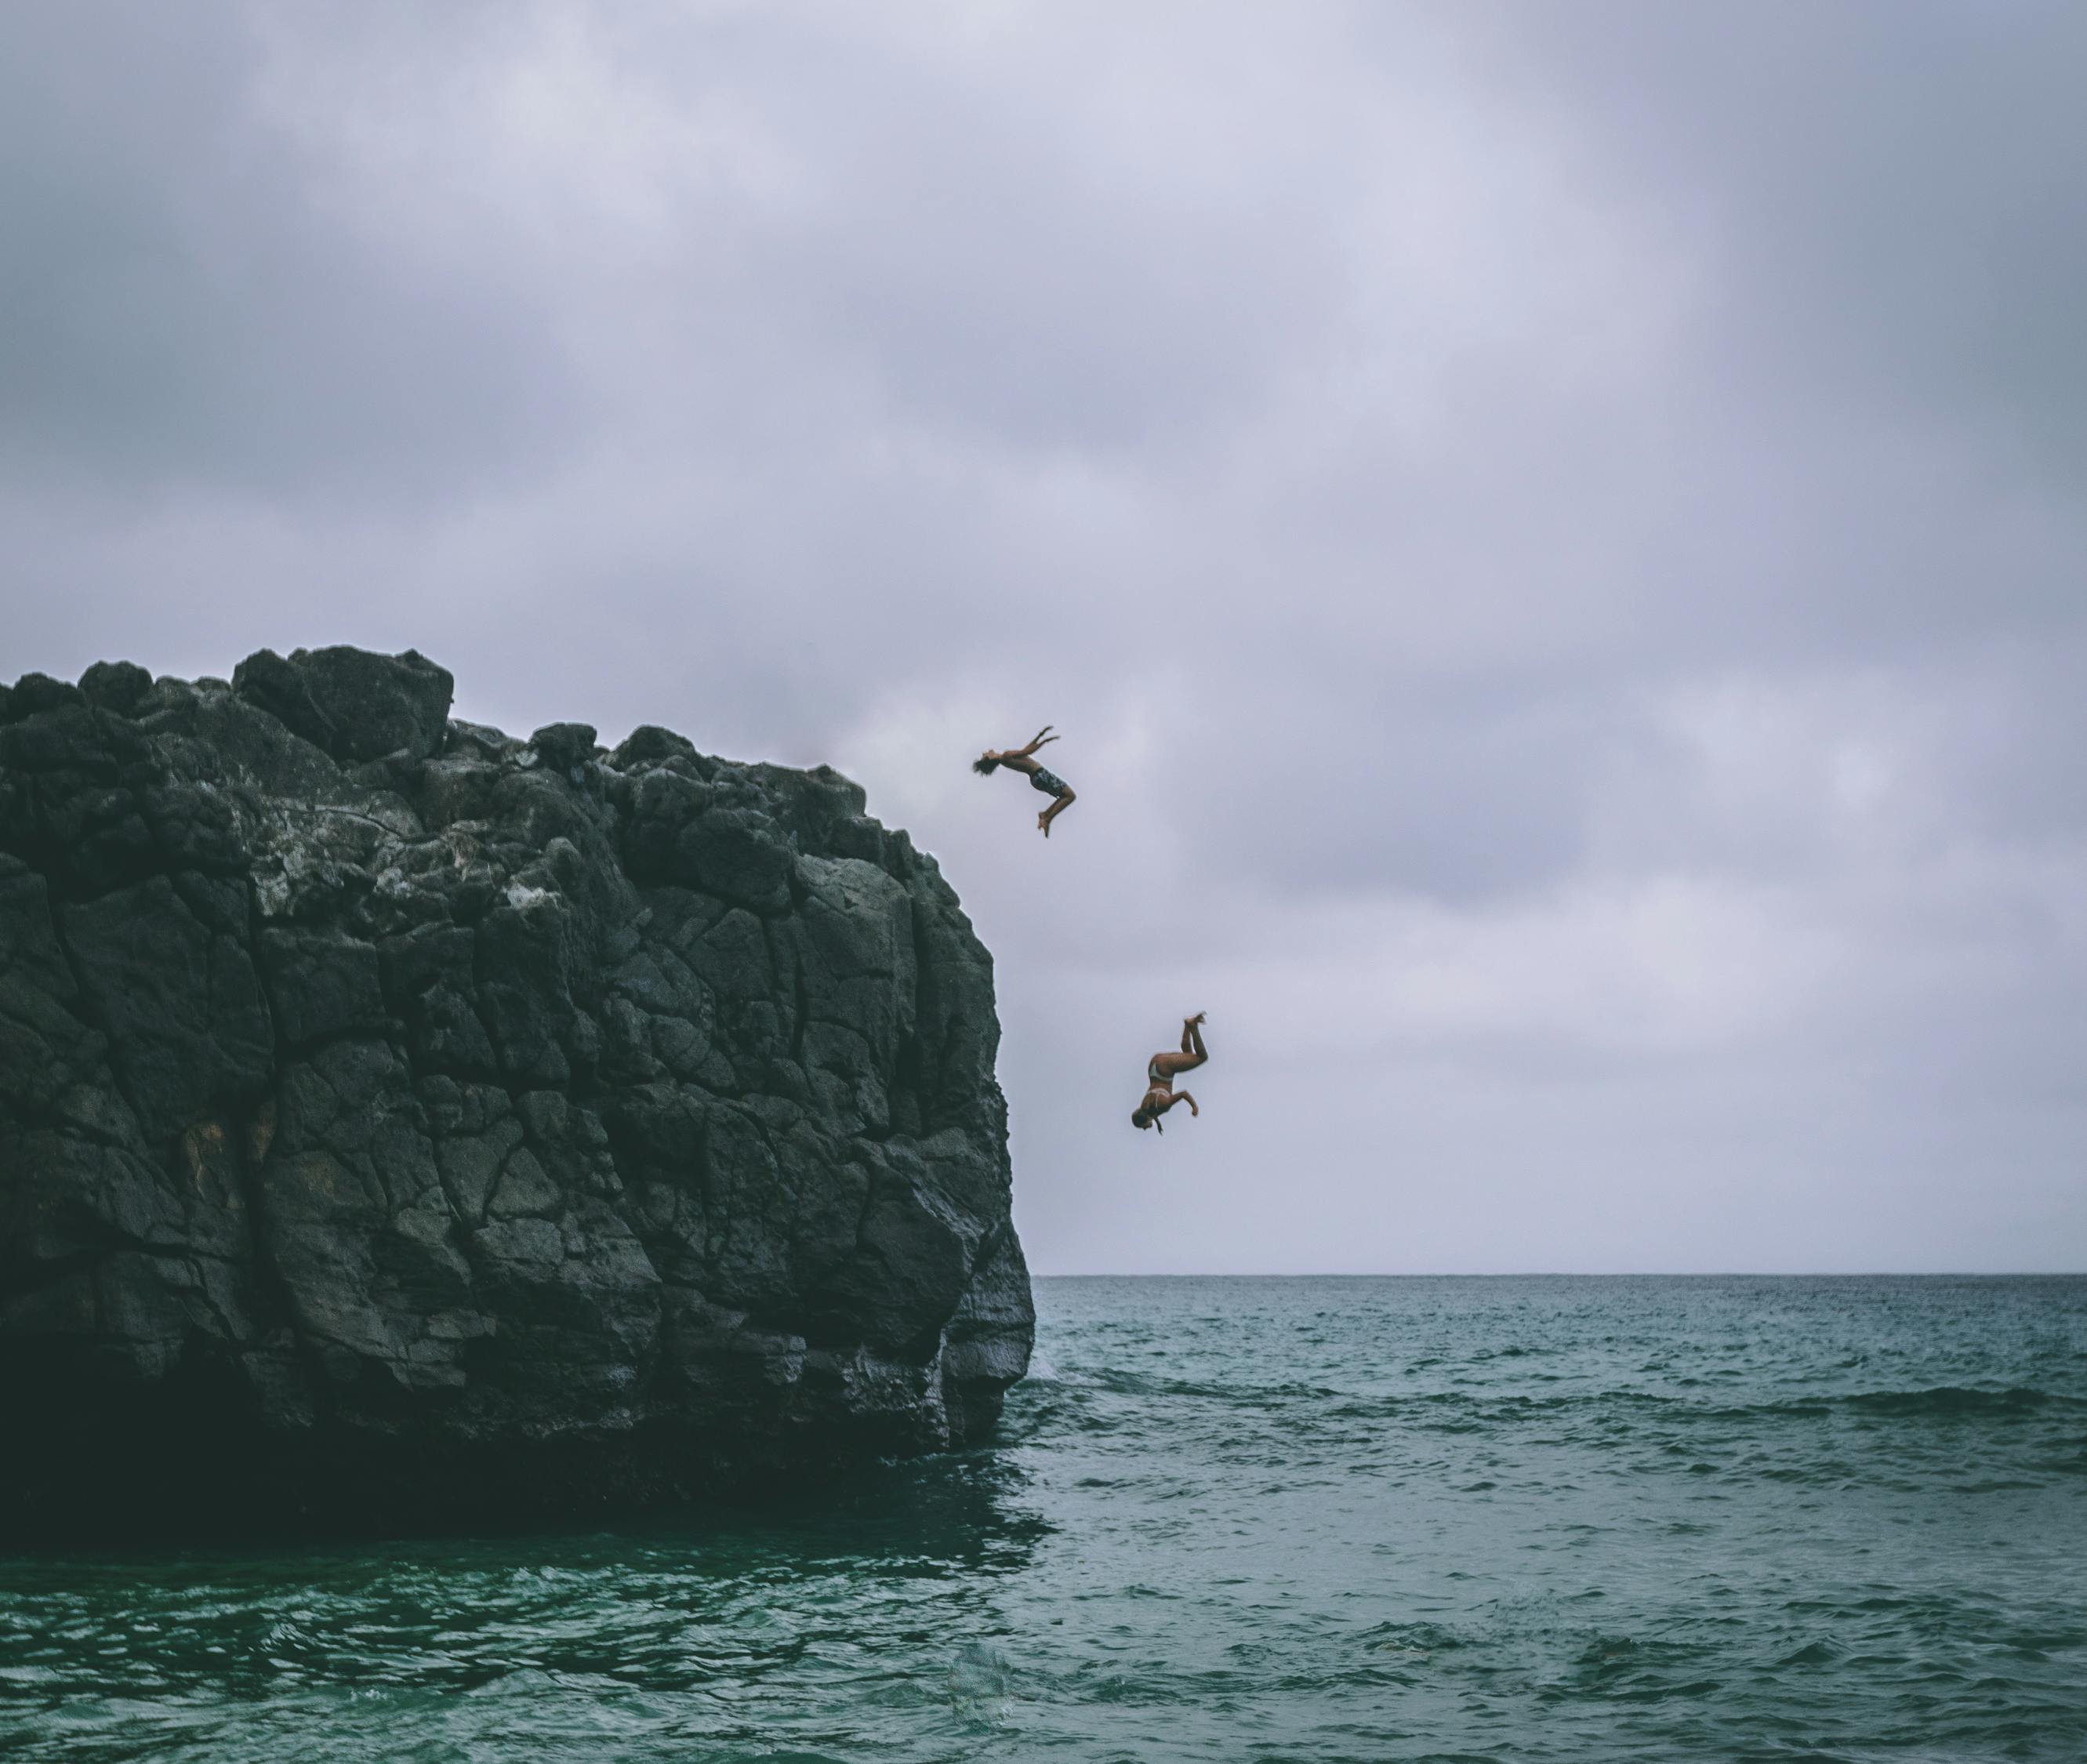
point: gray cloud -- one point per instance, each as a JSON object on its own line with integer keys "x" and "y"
{"x": 183, "y": 308}
{"x": 1552, "y": 537}
{"x": 1892, "y": 188}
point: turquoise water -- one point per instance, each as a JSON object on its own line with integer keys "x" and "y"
{"x": 1593, "y": 1519}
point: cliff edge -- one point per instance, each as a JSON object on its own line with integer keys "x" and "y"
{"x": 401, "y": 1123}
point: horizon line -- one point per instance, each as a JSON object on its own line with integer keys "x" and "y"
{"x": 1574, "y": 1273}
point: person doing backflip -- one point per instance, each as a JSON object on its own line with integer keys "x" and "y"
{"x": 1023, "y": 759}
{"x": 1160, "y": 1072}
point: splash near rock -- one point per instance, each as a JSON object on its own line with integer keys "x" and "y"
{"x": 401, "y": 1123}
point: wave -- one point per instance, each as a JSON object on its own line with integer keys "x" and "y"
{"x": 1123, "y": 1383}
{"x": 1957, "y": 1399}
{"x": 1461, "y": 1410}
{"x": 1082, "y": 1399}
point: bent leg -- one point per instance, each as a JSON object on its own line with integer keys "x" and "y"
{"x": 1066, "y": 799}
{"x": 1192, "y": 1054}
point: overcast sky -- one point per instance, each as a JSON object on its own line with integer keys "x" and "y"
{"x": 1553, "y": 536}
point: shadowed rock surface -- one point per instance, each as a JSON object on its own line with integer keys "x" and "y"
{"x": 403, "y": 1124}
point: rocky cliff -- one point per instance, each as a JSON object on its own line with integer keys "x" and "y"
{"x": 400, "y": 1122}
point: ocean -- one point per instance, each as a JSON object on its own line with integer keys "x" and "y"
{"x": 1473, "y": 1519}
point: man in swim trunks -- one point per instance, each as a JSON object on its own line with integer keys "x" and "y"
{"x": 1023, "y": 759}
{"x": 1160, "y": 1071}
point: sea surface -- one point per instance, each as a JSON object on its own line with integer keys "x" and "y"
{"x": 1518, "y": 1518}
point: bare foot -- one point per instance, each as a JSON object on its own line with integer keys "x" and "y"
{"x": 1043, "y": 823}
{"x": 1199, "y": 1016}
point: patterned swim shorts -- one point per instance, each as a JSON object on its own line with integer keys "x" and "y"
{"x": 1049, "y": 782}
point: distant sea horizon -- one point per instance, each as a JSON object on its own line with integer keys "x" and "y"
{"x": 1567, "y": 1274}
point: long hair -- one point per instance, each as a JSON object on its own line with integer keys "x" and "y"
{"x": 983, "y": 766}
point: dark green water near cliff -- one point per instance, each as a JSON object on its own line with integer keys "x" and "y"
{"x": 1541, "y": 1518}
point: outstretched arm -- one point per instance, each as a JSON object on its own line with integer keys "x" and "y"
{"x": 1043, "y": 738}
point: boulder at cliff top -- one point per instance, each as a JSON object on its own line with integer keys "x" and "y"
{"x": 401, "y": 1123}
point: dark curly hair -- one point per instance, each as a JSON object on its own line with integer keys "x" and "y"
{"x": 983, "y": 767}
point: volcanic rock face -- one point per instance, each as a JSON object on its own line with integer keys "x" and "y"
{"x": 401, "y": 1123}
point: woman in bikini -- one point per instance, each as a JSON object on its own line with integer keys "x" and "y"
{"x": 1160, "y": 1071}
{"x": 1023, "y": 759}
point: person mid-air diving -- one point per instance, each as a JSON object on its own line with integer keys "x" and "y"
{"x": 1023, "y": 759}
{"x": 1160, "y": 1072}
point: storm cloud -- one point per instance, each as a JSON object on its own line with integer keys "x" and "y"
{"x": 1553, "y": 538}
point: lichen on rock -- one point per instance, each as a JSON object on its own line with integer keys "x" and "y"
{"x": 402, "y": 1123}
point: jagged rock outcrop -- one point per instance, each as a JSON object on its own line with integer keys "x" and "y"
{"x": 402, "y": 1123}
